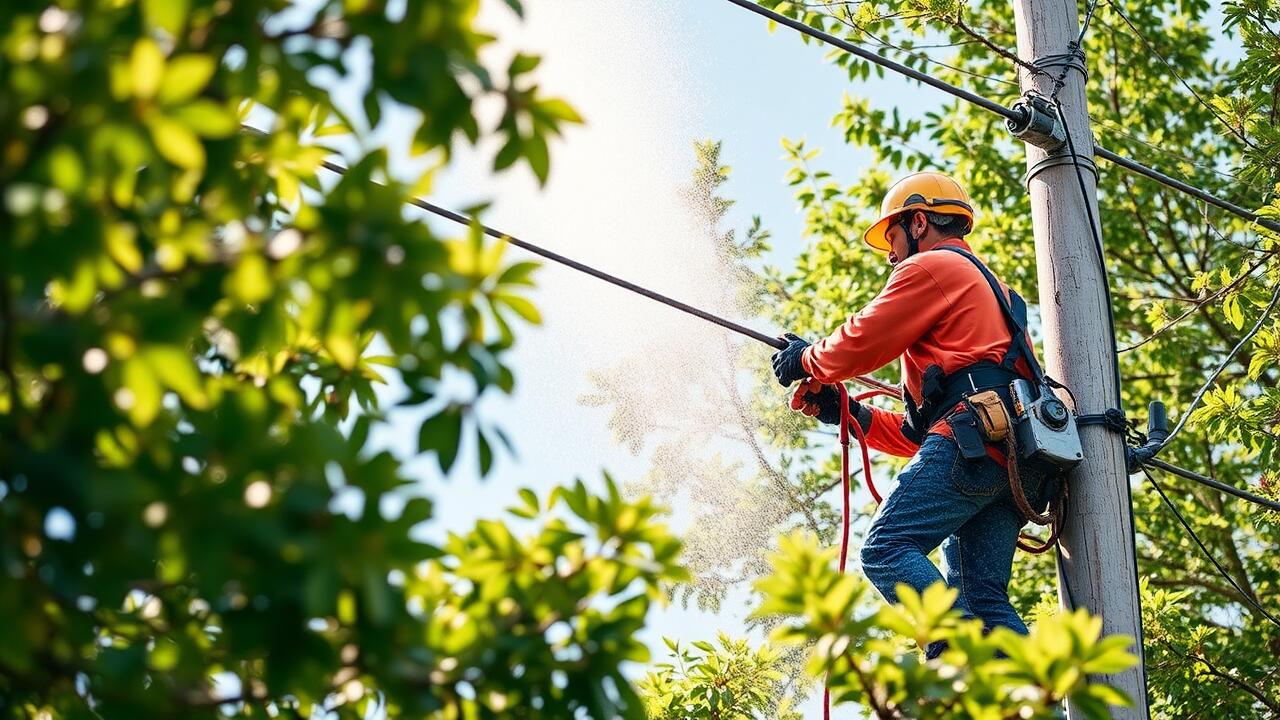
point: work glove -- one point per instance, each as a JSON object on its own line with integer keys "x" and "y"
{"x": 786, "y": 362}
{"x": 822, "y": 402}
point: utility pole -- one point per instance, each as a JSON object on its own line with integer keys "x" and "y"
{"x": 1097, "y": 568}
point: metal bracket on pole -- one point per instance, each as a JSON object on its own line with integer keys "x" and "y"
{"x": 1057, "y": 160}
{"x": 1038, "y": 123}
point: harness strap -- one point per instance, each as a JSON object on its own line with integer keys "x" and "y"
{"x": 1015, "y": 315}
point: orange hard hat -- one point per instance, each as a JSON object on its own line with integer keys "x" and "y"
{"x": 928, "y": 191}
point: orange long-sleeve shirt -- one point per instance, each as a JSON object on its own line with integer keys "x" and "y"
{"x": 936, "y": 309}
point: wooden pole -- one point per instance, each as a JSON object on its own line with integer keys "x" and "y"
{"x": 1097, "y": 568}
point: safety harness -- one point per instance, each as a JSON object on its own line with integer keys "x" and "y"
{"x": 977, "y": 404}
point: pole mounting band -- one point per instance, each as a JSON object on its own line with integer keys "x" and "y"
{"x": 1072, "y": 59}
{"x": 1057, "y": 161}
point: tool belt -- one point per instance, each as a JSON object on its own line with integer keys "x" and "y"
{"x": 978, "y": 407}
{"x": 974, "y": 400}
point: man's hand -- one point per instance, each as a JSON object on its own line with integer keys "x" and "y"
{"x": 786, "y": 362}
{"x": 821, "y": 401}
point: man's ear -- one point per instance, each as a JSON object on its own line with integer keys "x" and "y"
{"x": 919, "y": 223}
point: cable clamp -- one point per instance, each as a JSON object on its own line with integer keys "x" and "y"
{"x": 1056, "y": 161}
{"x": 1038, "y": 124}
{"x": 1113, "y": 419}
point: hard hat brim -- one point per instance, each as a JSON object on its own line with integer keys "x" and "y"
{"x": 877, "y": 236}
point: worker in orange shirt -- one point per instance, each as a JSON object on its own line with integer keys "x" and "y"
{"x": 939, "y": 312}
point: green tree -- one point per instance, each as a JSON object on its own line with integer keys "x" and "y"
{"x": 729, "y": 680}
{"x": 192, "y": 323}
{"x": 1189, "y": 281}
{"x": 870, "y": 656}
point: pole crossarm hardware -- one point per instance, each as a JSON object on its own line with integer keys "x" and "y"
{"x": 1020, "y": 115}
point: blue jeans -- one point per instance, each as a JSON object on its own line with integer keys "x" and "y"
{"x": 967, "y": 507}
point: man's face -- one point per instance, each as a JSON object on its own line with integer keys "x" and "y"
{"x": 898, "y": 242}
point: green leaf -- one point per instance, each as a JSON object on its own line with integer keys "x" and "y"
{"x": 176, "y": 370}
{"x": 146, "y": 68}
{"x": 185, "y": 76}
{"x": 168, "y": 15}
{"x": 519, "y": 273}
{"x": 177, "y": 143}
{"x": 535, "y": 151}
{"x": 442, "y": 434}
{"x": 140, "y": 393}
{"x": 250, "y": 280}
{"x": 560, "y": 110}
{"x": 207, "y": 118}
{"x": 522, "y": 307}
{"x": 485, "y": 452}
{"x": 509, "y": 153}
{"x": 522, "y": 64}
{"x": 1234, "y": 314}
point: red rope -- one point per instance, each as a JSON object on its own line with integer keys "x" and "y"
{"x": 847, "y": 421}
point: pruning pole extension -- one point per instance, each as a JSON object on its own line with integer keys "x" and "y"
{"x": 461, "y": 219}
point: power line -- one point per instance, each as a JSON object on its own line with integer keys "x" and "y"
{"x": 915, "y": 51}
{"x": 1215, "y": 484}
{"x": 1275, "y": 297}
{"x": 1113, "y": 127}
{"x": 883, "y": 62}
{"x": 600, "y": 274}
{"x": 1007, "y": 113}
{"x": 1179, "y": 185}
{"x": 1248, "y": 599}
{"x": 1151, "y": 48}
{"x": 1084, "y": 26}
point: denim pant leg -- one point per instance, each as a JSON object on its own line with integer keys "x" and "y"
{"x": 979, "y": 556}
{"x": 979, "y": 561}
{"x": 918, "y": 515}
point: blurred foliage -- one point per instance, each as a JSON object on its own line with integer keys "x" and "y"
{"x": 872, "y": 657}
{"x": 193, "y": 323}
{"x": 728, "y": 680}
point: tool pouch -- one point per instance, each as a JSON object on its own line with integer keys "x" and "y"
{"x": 991, "y": 413}
{"x": 968, "y": 435}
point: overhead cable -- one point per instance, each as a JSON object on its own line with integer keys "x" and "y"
{"x": 1246, "y": 597}
{"x": 725, "y": 323}
{"x": 883, "y": 62}
{"x": 1179, "y": 185}
{"x": 1266, "y": 314}
{"x": 1151, "y": 48}
{"x": 994, "y": 107}
{"x": 1215, "y": 484}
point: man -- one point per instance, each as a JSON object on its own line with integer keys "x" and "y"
{"x": 940, "y": 314}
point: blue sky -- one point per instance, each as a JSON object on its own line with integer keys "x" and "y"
{"x": 650, "y": 78}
